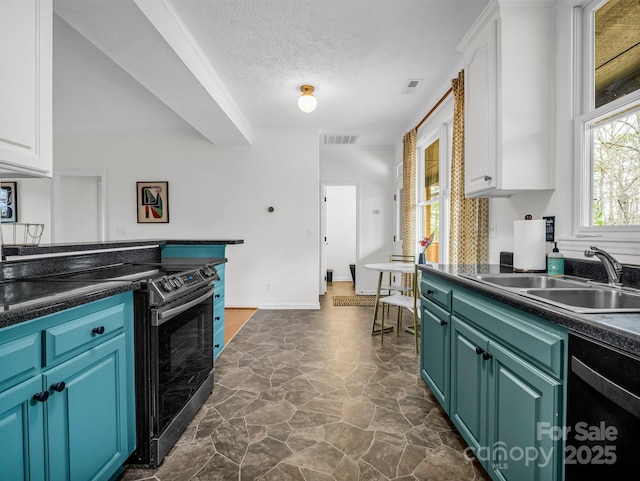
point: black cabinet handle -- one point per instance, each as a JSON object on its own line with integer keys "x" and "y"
{"x": 217, "y": 318}
{"x": 41, "y": 396}
{"x": 429, "y": 292}
{"x": 98, "y": 330}
{"x": 216, "y": 346}
{"x": 443, "y": 323}
{"x": 59, "y": 386}
{"x": 217, "y": 296}
{"x": 485, "y": 355}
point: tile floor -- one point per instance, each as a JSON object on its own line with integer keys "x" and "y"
{"x": 311, "y": 396}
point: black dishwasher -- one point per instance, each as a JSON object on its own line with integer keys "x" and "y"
{"x": 603, "y": 411}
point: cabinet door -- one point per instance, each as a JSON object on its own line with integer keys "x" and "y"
{"x": 434, "y": 352}
{"x": 480, "y": 111}
{"x": 26, "y": 95}
{"x": 468, "y": 382}
{"x": 22, "y": 432}
{"x": 87, "y": 435}
{"x": 524, "y": 406}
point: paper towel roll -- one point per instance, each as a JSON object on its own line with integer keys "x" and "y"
{"x": 529, "y": 245}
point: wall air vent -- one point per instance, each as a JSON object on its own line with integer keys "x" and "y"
{"x": 340, "y": 139}
{"x": 411, "y": 86}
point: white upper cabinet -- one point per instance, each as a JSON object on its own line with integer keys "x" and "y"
{"x": 509, "y": 61}
{"x": 26, "y": 116}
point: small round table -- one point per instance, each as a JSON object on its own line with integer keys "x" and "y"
{"x": 399, "y": 267}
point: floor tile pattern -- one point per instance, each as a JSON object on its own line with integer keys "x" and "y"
{"x": 306, "y": 395}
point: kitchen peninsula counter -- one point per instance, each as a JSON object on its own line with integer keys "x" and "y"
{"x": 29, "y": 288}
{"x": 63, "y": 248}
{"x": 26, "y": 300}
{"x": 621, "y": 330}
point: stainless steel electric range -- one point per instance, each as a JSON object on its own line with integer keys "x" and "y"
{"x": 174, "y": 343}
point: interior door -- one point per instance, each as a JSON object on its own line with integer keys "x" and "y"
{"x": 78, "y": 207}
{"x": 323, "y": 240}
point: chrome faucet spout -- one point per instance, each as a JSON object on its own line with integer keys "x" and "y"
{"x": 611, "y": 265}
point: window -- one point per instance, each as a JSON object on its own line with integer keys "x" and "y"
{"x": 609, "y": 130}
{"x": 433, "y": 201}
{"x": 431, "y": 198}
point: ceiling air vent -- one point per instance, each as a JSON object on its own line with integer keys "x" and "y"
{"x": 411, "y": 86}
{"x": 340, "y": 139}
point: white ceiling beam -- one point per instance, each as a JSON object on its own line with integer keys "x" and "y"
{"x": 150, "y": 42}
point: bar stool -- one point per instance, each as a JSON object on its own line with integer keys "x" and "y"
{"x": 403, "y": 301}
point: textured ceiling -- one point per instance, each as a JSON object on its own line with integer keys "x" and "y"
{"x": 227, "y": 67}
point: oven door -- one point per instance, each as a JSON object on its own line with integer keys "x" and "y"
{"x": 181, "y": 360}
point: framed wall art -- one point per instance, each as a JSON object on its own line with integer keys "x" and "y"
{"x": 153, "y": 202}
{"x": 8, "y": 202}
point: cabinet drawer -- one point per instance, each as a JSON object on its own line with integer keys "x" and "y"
{"x": 218, "y": 341}
{"x": 218, "y": 296}
{"x": 436, "y": 311}
{"x": 20, "y": 358}
{"x": 218, "y": 314}
{"x": 82, "y": 333}
{"x": 522, "y": 332}
{"x": 436, "y": 292}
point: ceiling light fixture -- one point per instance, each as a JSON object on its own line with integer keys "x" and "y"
{"x": 307, "y": 102}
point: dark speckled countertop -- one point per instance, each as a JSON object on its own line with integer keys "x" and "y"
{"x": 32, "y": 286}
{"x": 24, "y": 300}
{"x": 619, "y": 330}
{"x": 86, "y": 246}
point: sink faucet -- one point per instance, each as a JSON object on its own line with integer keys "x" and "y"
{"x": 612, "y": 266}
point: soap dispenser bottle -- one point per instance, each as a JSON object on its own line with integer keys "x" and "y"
{"x": 555, "y": 262}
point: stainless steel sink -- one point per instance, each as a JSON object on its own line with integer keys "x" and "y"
{"x": 588, "y": 300}
{"x": 573, "y": 294}
{"x": 528, "y": 281}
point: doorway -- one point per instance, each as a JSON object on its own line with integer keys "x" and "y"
{"x": 339, "y": 233}
{"x": 78, "y": 206}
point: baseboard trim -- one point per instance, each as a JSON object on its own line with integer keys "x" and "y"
{"x": 290, "y": 306}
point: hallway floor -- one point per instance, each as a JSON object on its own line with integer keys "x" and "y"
{"x": 304, "y": 395}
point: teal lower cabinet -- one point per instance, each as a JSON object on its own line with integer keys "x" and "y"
{"x": 22, "y": 446}
{"x": 435, "y": 329}
{"x": 468, "y": 403}
{"x": 74, "y": 417}
{"x": 218, "y": 313}
{"x": 501, "y": 380}
{"x": 87, "y": 413}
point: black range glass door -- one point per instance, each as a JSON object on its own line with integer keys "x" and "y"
{"x": 183, "y": 360}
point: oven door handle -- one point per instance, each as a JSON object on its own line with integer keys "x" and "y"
{"x": 619, "y": 395}
{"x": 161, "y": 317}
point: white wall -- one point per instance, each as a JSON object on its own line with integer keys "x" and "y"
{"x": 341, "y": 230}
{"x": 372, "y": 170}
{"x": 220, "y": 192}
{"x": 33, "y": 205}
{"x": 225, "y": 191}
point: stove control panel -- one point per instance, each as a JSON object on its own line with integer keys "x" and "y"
{"x": 174, "y": 285}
